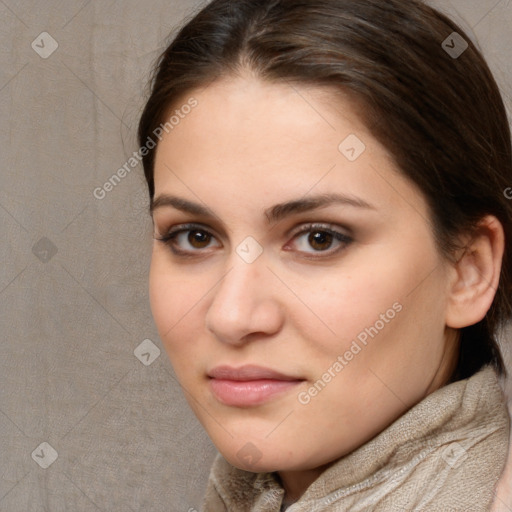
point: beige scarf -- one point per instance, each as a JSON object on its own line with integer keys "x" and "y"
{"x": 445, "y": 454}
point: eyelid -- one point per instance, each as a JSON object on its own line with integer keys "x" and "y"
{"x": 187, "y": 226}
{"x": 325, "y": 226}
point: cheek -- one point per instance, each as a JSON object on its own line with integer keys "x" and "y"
{"x": 390, "y": 293}
{"x": 339, "y": 305}
{"x": 175, "y": 303}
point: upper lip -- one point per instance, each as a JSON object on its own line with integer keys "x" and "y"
{"x": 247, "y": 372}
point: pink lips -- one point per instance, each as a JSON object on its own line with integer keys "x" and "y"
{"x": 248, "y": 385}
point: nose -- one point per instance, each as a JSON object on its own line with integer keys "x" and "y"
{"x": 245, "y": 302}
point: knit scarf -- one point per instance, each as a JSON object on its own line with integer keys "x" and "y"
{"x": 445, "y": 454}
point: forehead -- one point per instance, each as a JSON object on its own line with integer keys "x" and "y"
{"x": 249, "y": 119}
{"x": 252, "y": 99}
{"x": 258, "y": 140}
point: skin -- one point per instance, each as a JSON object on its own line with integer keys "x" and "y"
{"x": 246, "y": 147}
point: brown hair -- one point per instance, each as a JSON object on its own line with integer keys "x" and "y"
{"x": 440, "y": 115}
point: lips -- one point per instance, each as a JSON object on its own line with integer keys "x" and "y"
{"x": 247, "y": 373}
{"x": 249, "y": 385}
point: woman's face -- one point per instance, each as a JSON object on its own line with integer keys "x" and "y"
{"x": 302, "y": 300}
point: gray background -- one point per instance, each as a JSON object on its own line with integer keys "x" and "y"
{"x": 73, "y": 279}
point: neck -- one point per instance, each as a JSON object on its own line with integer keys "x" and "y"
{"x": 448, "y": 363}
{"x": 295, "y": 483}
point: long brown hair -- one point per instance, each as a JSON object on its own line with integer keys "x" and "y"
{"x": 432, "y": 102}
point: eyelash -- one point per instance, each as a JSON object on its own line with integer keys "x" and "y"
{"x": 169, "y": 239}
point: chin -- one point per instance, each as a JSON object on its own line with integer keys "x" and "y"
{"x": 253, "y": 456}
{"x": 259, "y": 457}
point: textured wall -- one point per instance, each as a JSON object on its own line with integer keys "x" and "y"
{"x": 86, "y": 425}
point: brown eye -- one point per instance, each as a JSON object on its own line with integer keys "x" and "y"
{"x": 320, "y": 240}
{"x": 316, "y": 240}
{"x": 198, "y": 239}
{"x": 189, "y": 240}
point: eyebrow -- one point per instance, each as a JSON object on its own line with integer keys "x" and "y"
{"x": 273, "y": 214}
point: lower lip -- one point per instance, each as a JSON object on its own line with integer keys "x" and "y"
{"x": 252, "y": 392}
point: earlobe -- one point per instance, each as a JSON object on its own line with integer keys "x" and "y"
{"x": 476, "y": 275}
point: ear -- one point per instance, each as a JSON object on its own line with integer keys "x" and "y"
{"x": 475, "y": 275}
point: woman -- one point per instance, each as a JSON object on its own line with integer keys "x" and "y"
{"x": 332, "y": 256}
